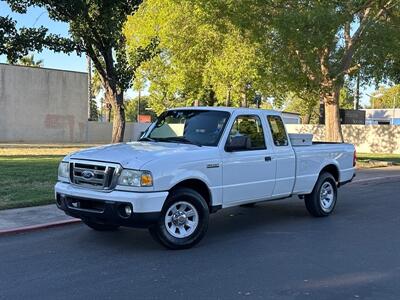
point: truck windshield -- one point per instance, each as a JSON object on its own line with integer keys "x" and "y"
{"x": 199, "y": 127}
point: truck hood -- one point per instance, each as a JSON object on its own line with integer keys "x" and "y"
{"x": 133, "y": 155}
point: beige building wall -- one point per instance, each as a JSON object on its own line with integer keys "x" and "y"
{"x": 366, "y": 138}
{"x": 42, "y": 105}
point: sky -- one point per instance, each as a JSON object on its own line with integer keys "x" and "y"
{"x": 36, "y": 17}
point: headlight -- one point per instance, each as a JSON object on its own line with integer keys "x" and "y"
{"x": 135, "y": 178}
{"x": 63, "y": 171}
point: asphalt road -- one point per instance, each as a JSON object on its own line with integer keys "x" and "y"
{"x": 273, "y": 251}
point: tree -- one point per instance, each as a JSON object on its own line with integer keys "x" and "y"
{"x": 314, "y": 44}
{"x": 96, "y": 29}
{"x": 307, "y": 105}
{"x": 132, "y": 106}
{"x": 94, "y": 112}
{"x": 386, "y": 97}
{"x": 198, "y": 62}
{"x": 29, "y": 60}
{"x": 17, "y": 43}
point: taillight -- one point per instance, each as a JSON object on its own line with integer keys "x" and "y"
{"x": 355, "y": 158}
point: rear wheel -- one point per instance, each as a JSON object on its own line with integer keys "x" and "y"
{"x": 322, "y": 200}
{"x": 183, "y": 221}
{"x": 100, "y": 226}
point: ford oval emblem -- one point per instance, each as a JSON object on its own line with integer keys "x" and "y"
{"x": 87, "y": 174}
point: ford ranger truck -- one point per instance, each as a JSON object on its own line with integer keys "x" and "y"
{"x": 192, "y": 162}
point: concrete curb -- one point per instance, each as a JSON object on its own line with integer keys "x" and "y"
{"x": 38, "y": 227}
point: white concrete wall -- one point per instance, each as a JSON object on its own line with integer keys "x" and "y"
{"x": 42, "y": 105}
{"x": 366, "y": 138}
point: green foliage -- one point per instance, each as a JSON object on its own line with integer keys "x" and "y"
{"x": 17, "y": 43}
{"x": 313, "y": 45}
{"x": 198, "y": 61}
{"x": 346, "y": 96}
{"x": 30, "y": 61}
{"x": 386, "y": 97}
{"x": 94, "y": 112}
{"x": 131, "y": 107}
{"x": 307, "y": 105}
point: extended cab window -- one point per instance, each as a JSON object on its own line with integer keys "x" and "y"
{"x": 249, "y": 126}
{"x": 278, "y": 131}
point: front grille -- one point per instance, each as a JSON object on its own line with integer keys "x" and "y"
{"x": 94, "y": 175}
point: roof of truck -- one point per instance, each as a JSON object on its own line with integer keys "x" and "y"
{"x": 228, "y": 109}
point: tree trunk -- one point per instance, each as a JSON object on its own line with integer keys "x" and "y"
{"x": 118, "y": 119}
{"x": 211, "y": 97}
{"x": 108, "y": 96}
{"x": 333, "y": 129}
{"x": 108, "y": 112}
{"x": 307, "y": 118}
{"x": 138, "y": 107}
{"x": 228, "y": 97}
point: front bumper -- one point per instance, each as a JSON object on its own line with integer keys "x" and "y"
{"x": 108, "y": 207}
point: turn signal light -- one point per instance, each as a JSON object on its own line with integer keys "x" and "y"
{"x": 146, "y": 179}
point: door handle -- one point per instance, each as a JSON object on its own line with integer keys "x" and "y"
{"x": 268, "y": 158}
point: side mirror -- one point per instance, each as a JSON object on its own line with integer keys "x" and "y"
{"x": 237, "y": 143}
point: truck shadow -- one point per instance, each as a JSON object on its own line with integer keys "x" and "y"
{"x": 280, "y": 217}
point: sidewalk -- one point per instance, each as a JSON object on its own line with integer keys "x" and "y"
{"x": 30, "y": 218}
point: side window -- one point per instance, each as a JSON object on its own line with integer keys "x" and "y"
{"x": 251, "y": 127}
{"x": 278, "y": 131}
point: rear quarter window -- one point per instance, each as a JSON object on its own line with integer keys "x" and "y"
{"x": 278, "y": 131}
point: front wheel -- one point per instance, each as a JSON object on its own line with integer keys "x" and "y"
{"x": 183, "y": 221}
{"x": 322, "y": 200}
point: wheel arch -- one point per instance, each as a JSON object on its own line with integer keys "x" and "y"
{"x": 333, "y": 170}
{"x": 199, "y": 186}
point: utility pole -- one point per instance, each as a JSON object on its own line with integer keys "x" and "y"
{"x": 357, "y": 96}
{"x": 138, "y": 107}
{"x": 89, "y": 66}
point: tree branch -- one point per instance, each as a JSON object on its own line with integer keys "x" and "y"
{"x": 305, "y": 68}
{"x": 351, "y": 42}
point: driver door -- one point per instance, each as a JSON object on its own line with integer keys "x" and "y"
{"x": 248, "y": 174}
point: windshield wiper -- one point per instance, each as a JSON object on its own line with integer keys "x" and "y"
{"x": 147, "y": 139}
{"x": 180, "y": 139}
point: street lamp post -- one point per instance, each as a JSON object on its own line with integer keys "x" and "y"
{"x": 372, "y": 97}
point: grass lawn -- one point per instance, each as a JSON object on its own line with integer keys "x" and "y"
{"x": 375, "y": 156}
{"x": 28, "y": 173}
{"x": 27, "y": 180}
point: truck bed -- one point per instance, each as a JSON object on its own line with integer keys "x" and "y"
{"x": 311, "y": 159}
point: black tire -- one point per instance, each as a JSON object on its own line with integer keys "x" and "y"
{"x": 160, "y": 232}
{"x": 314, "y": 204}
{"x": 100, "y": 226}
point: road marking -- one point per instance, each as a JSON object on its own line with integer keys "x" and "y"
{"x": 375, "y": 178}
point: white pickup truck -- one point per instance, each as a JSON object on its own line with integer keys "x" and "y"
{"x": 194, "y": 161}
